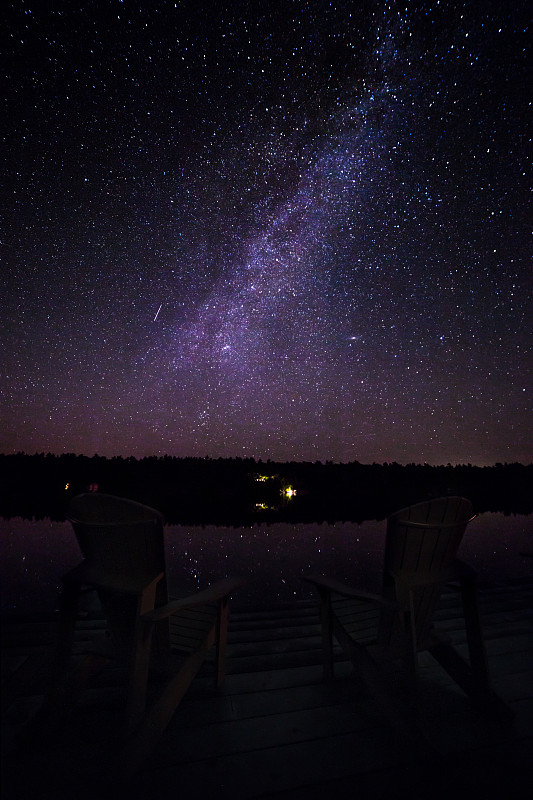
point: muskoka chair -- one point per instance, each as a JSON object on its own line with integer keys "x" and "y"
{"x": 420, "y": 559}
{"x": 124, "y": 561}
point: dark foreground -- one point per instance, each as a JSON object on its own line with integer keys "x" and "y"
{"x": 276, "y": 730}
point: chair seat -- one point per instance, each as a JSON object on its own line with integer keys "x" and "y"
{"x": 150, "y": 641}
{"x": 383, "y": 634}
{"x": 189, "y": 627}
{"x": 187, "y": 630}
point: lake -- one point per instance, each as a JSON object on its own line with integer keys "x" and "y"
{"x": 35, "y": 554}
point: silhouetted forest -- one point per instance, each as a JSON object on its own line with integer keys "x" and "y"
{"x": 240, "y": 491}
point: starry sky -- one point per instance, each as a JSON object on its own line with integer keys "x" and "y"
{"x": 294, "y": 230}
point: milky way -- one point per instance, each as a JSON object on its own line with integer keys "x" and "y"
{"x": 289, "y": 230}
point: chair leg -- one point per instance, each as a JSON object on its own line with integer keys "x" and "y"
{"x": 140, "y": 661}
{"x": 143, "y": 740}
{"x": 478, "y": 654}
{"x": 67, "y": 621}
{"x": 474, "y": 635}
{"x": 411, "y": 653}
{"x": 399, "y": 714}
{"x": 66, "y": 683}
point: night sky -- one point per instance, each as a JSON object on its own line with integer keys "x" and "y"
{"x": 287, "y": 230}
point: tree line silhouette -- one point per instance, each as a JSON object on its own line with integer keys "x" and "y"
{"x": 241, "y": 491}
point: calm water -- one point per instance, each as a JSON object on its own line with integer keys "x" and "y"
{"x": 272, "y": 558}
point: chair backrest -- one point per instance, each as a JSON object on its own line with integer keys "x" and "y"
{"x": 123, "y": 538}
{"x": 421, "y": 546}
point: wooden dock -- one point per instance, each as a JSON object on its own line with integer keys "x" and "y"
{"x": 276, "y": 730}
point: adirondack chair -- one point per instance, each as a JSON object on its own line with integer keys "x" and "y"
{"x": 420, "y": 559}
{"x": 124, "y": 561}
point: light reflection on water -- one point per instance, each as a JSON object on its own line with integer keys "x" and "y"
{"x": 272, "y": 558}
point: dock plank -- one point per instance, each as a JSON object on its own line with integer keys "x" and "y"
{"x": 275, "y": 730}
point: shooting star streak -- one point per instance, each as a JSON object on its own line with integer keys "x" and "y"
{"x": 158, "y": 310}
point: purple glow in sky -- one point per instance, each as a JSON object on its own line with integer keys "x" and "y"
{"x": 286, "y": 230}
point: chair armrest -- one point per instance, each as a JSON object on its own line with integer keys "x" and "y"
{"x": 331, "y": 585}
{"x": 89, "y": 574}
{"x": 217, "y": 591}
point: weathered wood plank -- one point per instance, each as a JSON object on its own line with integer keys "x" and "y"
{"x": 276, "y": 730}
{"x": 260, "y": 732}
{"x": 243, "y": 776}
{"x": 488, "y": 773}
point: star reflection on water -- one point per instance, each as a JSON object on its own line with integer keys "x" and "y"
{"x": 272, "y": 558}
